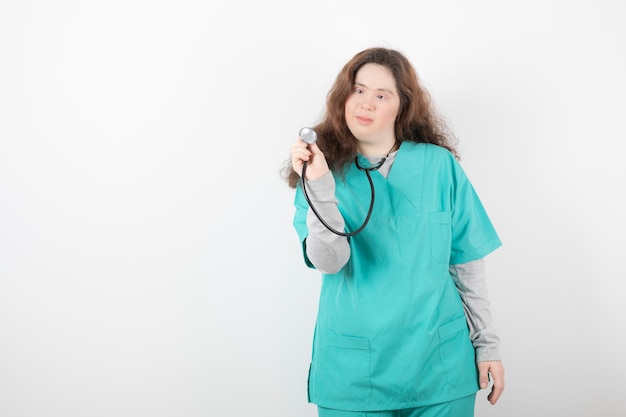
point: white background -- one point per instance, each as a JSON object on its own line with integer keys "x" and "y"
{"x": 148, "y": 265}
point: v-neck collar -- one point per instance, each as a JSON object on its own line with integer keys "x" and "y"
{"x": 366, "y": 161}
{"x": 405, "y": 177}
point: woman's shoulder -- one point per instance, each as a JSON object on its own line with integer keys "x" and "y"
{"x": 429, "y": 150}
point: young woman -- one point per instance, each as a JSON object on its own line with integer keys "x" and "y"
{"x": 403, "y": 326}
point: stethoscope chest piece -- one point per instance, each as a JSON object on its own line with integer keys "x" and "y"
{"x": 308, "y": 135}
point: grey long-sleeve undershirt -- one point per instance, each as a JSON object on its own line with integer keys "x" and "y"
{"x": 330, "y": 252}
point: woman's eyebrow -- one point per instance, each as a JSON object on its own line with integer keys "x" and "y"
{"x": 378, "y": 89}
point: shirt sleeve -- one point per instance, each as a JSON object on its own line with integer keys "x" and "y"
{"x": 471, "y": 283}
{"x": 322, "y": 249}
{"x": 473, "y": 234}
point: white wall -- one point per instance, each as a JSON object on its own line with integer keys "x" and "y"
{"x": 148, "y": 266}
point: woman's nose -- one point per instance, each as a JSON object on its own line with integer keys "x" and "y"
{"x": 367, "y": 102}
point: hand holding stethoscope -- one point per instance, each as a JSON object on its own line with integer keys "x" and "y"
{"x": 305, "y": 150}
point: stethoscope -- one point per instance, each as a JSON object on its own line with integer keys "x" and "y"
{"x": 309, "y": 136}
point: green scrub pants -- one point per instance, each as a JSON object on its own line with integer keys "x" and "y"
{"x": 463, "y": 407}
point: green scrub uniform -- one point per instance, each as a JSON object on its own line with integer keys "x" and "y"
{"x": 391, "y": 332}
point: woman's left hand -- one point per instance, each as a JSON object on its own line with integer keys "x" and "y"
{"x": 496, "y": 370}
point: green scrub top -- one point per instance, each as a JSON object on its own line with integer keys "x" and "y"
{"x": 391, "y": 331}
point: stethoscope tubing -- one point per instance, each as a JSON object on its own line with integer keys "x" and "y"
{"x": 369, "y": 211}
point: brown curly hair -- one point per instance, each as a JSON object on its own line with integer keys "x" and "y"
{"x": 418, "y": 120}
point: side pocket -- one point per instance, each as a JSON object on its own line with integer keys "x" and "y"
{"x": 440, "y": 236}
{"x": 457, "y": 353}
{"x": 342, "y": 368}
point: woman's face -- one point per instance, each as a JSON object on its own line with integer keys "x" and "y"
{"x": 371, "y": 109}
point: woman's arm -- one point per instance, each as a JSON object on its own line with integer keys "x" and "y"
{"x": 471, "y": 283}
{"x": 328, "y": 251}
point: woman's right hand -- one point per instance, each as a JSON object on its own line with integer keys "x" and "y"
{"x": 316, "y": 166}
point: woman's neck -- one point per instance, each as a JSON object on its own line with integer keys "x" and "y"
{"x": 377, "y": 150}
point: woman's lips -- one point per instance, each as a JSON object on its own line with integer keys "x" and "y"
{"x": 364, "y": 120}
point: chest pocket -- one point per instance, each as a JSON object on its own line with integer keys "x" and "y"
{"x": 440, "y": 236}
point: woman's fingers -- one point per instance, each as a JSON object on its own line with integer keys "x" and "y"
{"x": 299, "y": 154}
